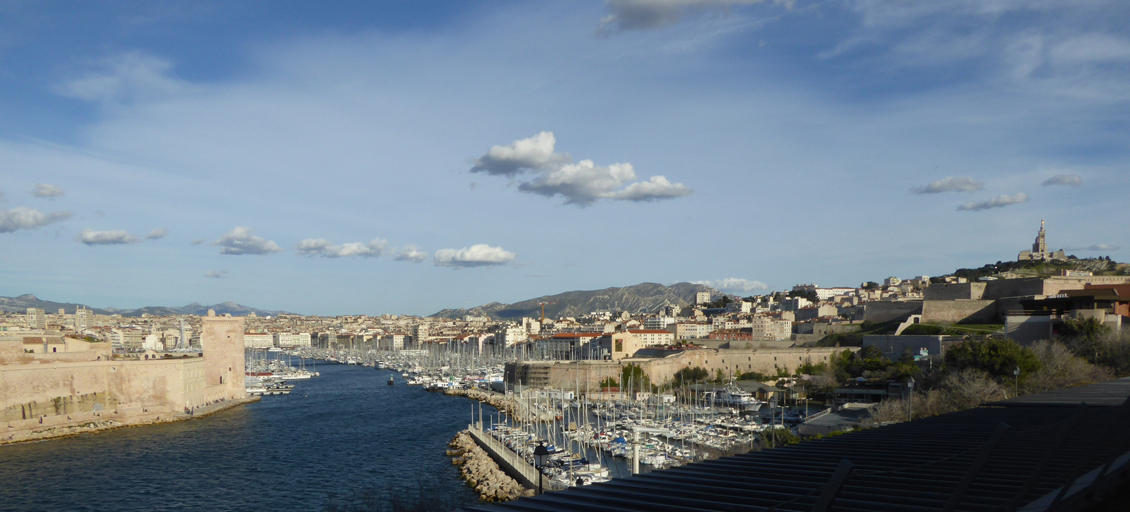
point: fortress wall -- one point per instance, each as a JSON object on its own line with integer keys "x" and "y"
{"x": 960, "y": 311}
{"x": 570, "y": 375}
{"x": 954, "y": 291}
{"x": 888, "y": 311}
{"x": 69, "y": 388}
{"x": 63, "y": 388}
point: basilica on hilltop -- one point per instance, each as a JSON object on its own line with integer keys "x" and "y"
{"x": 1039, "y": 250}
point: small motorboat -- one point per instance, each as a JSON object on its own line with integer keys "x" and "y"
{"x": 390, "y": 381}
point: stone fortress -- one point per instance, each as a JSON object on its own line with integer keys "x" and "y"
{"x": 53, "y": 385}
{"x": 1039, "y": 250}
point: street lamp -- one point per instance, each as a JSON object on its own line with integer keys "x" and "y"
{"x": 540, "y": 456}
{"x": 910, "y": 399}
{"x": 1016, "y": 380}
{"x": 773, "y": 420}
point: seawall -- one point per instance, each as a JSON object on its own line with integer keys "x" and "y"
{"x": 60, "y": 426}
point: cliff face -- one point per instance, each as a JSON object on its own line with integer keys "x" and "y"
{"x": 644, "y": 297}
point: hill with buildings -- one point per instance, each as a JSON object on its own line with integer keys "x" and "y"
{"x": 23, "y": 302}
{"x": 1045, "y": 268}
{"x": 641, "y": 298}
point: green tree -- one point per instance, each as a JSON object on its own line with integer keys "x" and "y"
{"x": 996, "y": 357}
{"x": 1089, "y": 330}
{"x": 633, "y": 377}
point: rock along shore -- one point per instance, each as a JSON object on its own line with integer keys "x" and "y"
{"x": 513, "y": 408}
{"x": 482, "y": 473}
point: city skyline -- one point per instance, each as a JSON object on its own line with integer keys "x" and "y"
{"x": 363, "y": 158}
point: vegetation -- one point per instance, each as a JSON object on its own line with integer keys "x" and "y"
{"x": 951, "y": 330}
{"x": 1036, "y": 268}
{"x": 997, "y": 357}
{"x": 720, "y": 303}
{"x": 777, "y": 437}
{"x": 633, "y": 377}
{"x": 855, "y": 338}
{"x": 691, "y": 375}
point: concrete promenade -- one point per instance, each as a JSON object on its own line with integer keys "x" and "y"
{"x": 58, "y": 426}
{"x": 510, "y": 462}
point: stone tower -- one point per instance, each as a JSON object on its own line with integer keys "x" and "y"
{"x": 221, "y": 338}
{"x": 1041, "y": 245}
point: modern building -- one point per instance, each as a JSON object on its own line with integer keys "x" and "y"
{"x": 36, "y": 318}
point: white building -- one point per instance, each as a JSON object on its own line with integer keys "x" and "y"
{"x": 392, "y": 342}
{"x": 701, "y": 298}
{"x": 794, "y": 303}
{"x": 509, "y": 334}
{"x": 653, "y": 337}
{"x": 690, "y": 330}
{"x": 828, "y": 293}
{"x": 36, "y": 318}
{"x": 658, "y": 322}
{"x": 288, "y": 340}
{"x": 83, "y": 319}
{"x": 739, "y": 306}
{"x": 258, "y": 340}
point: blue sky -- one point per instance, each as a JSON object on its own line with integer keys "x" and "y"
{"x": 403, "y": 157}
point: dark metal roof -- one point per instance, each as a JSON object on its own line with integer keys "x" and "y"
{"x": 1109, "y": 393}
{"x": 984, "y": 459}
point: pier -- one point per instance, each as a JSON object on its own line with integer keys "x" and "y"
{"x": 510, "y": 462}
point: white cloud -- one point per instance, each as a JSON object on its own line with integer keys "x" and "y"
{"x": 129, "y": 76}
{"x": 157, "y": 233}
{"x": 950, "y": 184}
{"x": 216, "y": 274}
{"x": 240, "y": 241}
{"x": 22, "y": 217}
{"x": 653, "y": 14}
{"x": 46, "y": 190}
{"x": 411, "y": 253}
{"x": 478, "y": 255}
{"x": 653, "y": 189}
{"x": 534, "y": 153}
{"x": 581, "y": 184}
{"x": 198, "y": 241}
{"x": 326, "y": 249}
{"x": 734, "y": 284}
{"x": 996, "y": 202}
{"x": 116, "y": 237}
{"x": 1067, "y": 180}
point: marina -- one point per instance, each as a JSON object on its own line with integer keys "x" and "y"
{"x": 588, "y": 440}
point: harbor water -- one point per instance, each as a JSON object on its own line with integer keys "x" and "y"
{"x": 342, "y": 432}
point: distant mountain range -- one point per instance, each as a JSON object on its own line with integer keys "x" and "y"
{"x": 644, "y": 297}
{"x": 21, "y": 303}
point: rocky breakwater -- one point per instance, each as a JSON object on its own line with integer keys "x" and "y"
{"x": 481, "y": 471}
{"x": 513, "y": 408}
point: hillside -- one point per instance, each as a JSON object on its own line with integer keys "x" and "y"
{"x": 1013, "y": 269}
{"x": 23, "y": 302}
{"x": 644, "y": 297}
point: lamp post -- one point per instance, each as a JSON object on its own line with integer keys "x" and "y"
{"x": 540, "y": 455}
{"x": 773, "y": 420}
{"x": 1016, "y": 381}
{"x": 910, "y": 399}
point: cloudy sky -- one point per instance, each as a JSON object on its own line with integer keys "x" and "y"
{"x": 403, "y": 157}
